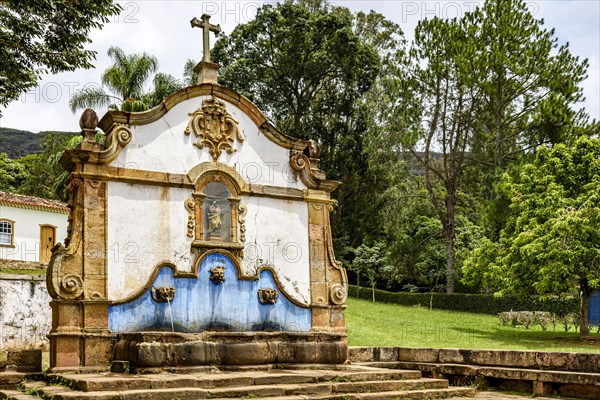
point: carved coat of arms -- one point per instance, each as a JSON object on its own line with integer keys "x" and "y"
{"x": 214, "y": 127}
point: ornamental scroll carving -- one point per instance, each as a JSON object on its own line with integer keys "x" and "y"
{"x": 338, "y": 294}
{"x": 60, "y": 280}
{"x": 242, "y": 211}
{"x": 190, "y": 206}
{"x": 215, "y": 128}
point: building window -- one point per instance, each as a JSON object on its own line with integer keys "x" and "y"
{"x": 6, "y": 232}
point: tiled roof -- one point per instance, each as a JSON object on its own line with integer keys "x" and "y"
{"x": 36, "y": 203}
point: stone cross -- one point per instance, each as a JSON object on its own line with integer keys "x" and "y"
{"x": 207, "y": 27}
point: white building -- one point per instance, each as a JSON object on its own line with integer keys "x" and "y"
{"x": 30, "y": 227}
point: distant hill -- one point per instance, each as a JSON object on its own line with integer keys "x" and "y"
{"x": 17, "y": 143}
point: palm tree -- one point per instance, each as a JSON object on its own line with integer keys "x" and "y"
{"x": 164, "y": 85}
{"x": 125, "y": 78}
{"x": 190, "y": 78}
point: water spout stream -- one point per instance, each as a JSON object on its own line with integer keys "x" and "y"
{"x": 171, "y": 315}
{"x": 279, "y": 321}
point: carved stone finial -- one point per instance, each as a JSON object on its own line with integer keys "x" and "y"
{"x": 206, "y": 70}
{"x": 313, "y": 150}
{"x": 88, "y": 124}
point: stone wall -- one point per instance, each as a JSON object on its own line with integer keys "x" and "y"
{"x": 556, "y": 361}
{"x": 573, "y": 375}
{"x": 20, "y": 264}
{"x": 25, "y": 313}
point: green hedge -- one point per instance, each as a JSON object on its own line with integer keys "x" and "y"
{"x": 474, "y": 303}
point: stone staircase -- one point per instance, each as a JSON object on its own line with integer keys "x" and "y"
{"x": 268, "y": 383}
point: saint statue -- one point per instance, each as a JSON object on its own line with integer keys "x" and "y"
{"x": 214, "y": 218}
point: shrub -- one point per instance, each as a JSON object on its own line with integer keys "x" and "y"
{"x": 473, "y": 303}
{"x": 527, "y": 318}
{"x": 506, "y": 317}
{"x": 542, "y": 319}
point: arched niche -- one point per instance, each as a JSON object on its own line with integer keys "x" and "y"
{"x": 216, "y": 213}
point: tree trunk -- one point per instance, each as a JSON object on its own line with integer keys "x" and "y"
{"x": 585, "y": 293}
{"x": 449, "y": 262}
{"x": 448, "y": 226}
{"x": 373, "y": 289}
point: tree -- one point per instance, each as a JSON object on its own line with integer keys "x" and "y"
{"x": 190, "y": 78}
{"x": 306, "y": 65}
{"x": 295, "y": 63}
{"x": 38, "y": 37}
{"x": 529, "y": 83}
{"x": 59, "y": 181}
{"x": 414, "y": 235}
{"x": 437, "y": 113}
{"x": 551, "y": 244}
{"x": 125, "y": 78}
{"x": 372, "y": 261}
{"x": 43, "y": 170}
{"x": 482, "y": 91}
{"x": 164, "y": 85}
{"x": 12, "y": 174}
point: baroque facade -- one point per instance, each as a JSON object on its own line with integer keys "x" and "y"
{"x": 196, "y": 218}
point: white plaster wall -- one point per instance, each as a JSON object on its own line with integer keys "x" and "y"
{"x": 27, "y": 231}
{"x": 25, "y": 314}
{"x": 147, "y": 227}
{"x": 163, "y": 146}
{"x": 277, "y": 236}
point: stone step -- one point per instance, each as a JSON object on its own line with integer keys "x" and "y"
{"x": 399, "y": 395}
{"x": 8, "y": 379}
{"x": 106, "y": 382}
{"x": 43, "y": 390}
{"x": 334, "y": 390}
{"x": 16, "y": 395}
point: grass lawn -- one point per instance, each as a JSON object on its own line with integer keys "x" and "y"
{"x": 382, "y": 324}
{"x": 23, "y": 271}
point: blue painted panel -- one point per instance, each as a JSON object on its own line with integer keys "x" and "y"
{"x": 594, "y": 308}
{"x": 199, "y": 305}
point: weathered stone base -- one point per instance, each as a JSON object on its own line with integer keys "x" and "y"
{"x": 291, "y": 382}
{"x": 538, "y": 373}
{"x": 23, "y": 361}
{"x": 78, "y": 338}
{"x": 154, "y": 350}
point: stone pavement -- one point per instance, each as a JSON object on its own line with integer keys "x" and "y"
{"x": 503, "y": 396}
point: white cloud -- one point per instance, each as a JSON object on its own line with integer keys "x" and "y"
{"x": 162, "y": 28}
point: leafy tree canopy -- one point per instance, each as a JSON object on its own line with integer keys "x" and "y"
{"x": 309, "y": 66}
{"x": 551, "y": 243}
{"x": 125, "y": 78}
{"x": 41, "y": 36}
{"x": 43, "y": 170}
{"x": 482, "y": 91}
{"x": 294, "y": 61}
{"x": 12, "y": 174}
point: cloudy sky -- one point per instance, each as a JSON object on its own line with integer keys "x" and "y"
{"x": 162, "y": 28}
